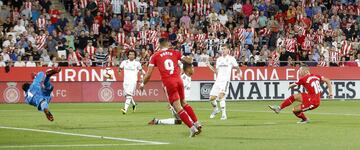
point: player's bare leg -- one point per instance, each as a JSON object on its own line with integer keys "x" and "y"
{"x": 222, "y": 106}
{"x": 298, "y": 112}
{"x": 192, "y": 115}
{"x": 287, "y": 102}
{"x": 213, "y": 103}
{"x": 185, "y": 117}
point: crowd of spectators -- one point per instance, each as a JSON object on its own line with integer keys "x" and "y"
{"x": 260, "y": 32}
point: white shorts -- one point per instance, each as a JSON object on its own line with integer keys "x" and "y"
{"x": 220, "y": 87}
{"x": 129, "y": 88}
{"x": 187, "y": 93}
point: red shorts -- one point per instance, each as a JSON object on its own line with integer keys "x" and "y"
{"x": 309, "y": 102}
{"x": 174, "y": 88}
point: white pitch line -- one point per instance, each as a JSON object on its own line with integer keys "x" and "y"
{"x": 86, "y": 135}
{"x": 69, "y": 145}
{"x": 315, "y": 113}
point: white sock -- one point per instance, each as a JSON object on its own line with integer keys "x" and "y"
{"x": 173, "y": 112}
{"x": 132, "y": 100}
{"x": 127, "y": 103}
{"x": 214, "y": 104}
{"x": 223, "y": 106}
{"x": 168, "y": 121}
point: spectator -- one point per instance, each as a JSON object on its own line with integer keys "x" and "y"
{"x": 176, "y": 11}
{"x": 223, "y": 18}
{"x": 204, "y": 59}
{"x": 30, "y": 62}
{"x": 358, "y": 59}
{"x": 19, "y": 63}
{"x": 101, "y": 56}
{"x": 51, "y": 46}
{"x": 2, "y": 62}
{"x": 115, "y": 22}
{"x": 45, "y": 57}
{"x": 53, "y": 62}
{"x": 185, "y": 20}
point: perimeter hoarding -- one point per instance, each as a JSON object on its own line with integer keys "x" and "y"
{"x": 75, "y": 84}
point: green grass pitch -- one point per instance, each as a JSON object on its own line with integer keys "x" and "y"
{"x": 250, "y": 125}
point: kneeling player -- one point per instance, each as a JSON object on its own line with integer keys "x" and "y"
{"x": 186, "y": 78}
{"x": 39, "y": 95}
{"x": 309, "y": 100}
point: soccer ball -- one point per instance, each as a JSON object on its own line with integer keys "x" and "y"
{"x": 108, "y": 73}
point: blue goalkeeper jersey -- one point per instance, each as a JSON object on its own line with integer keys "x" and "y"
{"x": 36, "y": 93}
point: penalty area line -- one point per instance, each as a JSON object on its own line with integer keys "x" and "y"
{"x": 87, "y": 135}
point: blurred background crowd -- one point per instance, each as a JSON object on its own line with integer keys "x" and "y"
{"x": 99, "y": 32}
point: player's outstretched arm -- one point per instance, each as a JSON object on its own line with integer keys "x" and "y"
{"x": 329, "y": 85}
{"x": 211, "y": 67}
{"x": 292, "y": 85}
{"x": 148, "y": 74}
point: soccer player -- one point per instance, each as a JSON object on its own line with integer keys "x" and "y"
{"x": 38, "y": 94}
{"x": 166, "y": 60}
{"x": 224, "y": 65}
{"x": 131, "y": 69}
{"x": 186, "y": 78}
{"x": 309, "y": 100}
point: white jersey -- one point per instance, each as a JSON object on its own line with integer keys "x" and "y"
{"x": 131, "y": 69}
{"x": 224, "y": 66}
{"x": 187, "y": 85}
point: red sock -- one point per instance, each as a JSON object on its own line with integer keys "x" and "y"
{"x": 185, "y": 118}
{"x": 300, "y": 115}
{"x": 287, "y": 102}
{"x": 190, "y": 112}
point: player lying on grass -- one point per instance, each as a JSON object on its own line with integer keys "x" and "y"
{"x": 166, "y": 60}
{"x": 309, "y": 100}
{"x": 38, "y": 93}
{"x": 131, "y": 69}
{"x": 186, "y": 78}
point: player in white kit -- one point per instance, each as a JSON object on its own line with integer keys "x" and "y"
{"x": 131, "y": 69}
{"x": 224, "y": 65}
{"x": 186, "y": 78}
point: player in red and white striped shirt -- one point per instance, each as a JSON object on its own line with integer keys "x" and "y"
{"x": 188, "y": 7}
{"x": 83, "y": 3}
{"x": 202, "y": 8}
{"x": 334, "y": 55}
{"x": 90, "y": 49}
{"x": 74, "y": 58}
{"x": 142, "y": 36}
{"x": 132, "y": 39}
{"x": 290, "y": 44}
{"x": 95, "y": 28}
{"x": 120, "y": 37}
{"x": 40, "y": 40}
{"x": 41, "y": 22}
{"x": 345, "y": 47}
{"x": 265, "y": 32}
{"x": 306, "y": 45}
{"x": 130, "y": 6}
{"x": 322, "y": 62}
{"x": 239, "y": 34}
